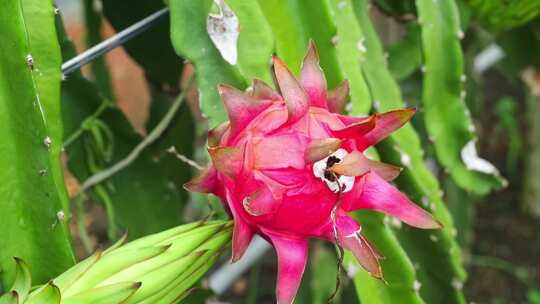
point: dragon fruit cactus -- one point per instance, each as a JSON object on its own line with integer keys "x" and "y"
{"x": 284, "y": 160}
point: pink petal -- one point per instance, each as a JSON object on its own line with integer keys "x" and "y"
{"x": 318, "y": 149}
{"x": 260, "y": 202}
{"x": 312, "y": 78}
{"x": 385, "y": 124}
{"x": 261, "y": 90}
{"x": 216, "y": 134}
{"x": 351, "y": 239}
{"x": 280, "y": 151}
{"x": 242, "y": 233}
{"x": 294, "y": 95}
{"x": 275, "y": 186}
{"x": 356, "y": 164}
{"x": 357, "y": 130}
{"x": 226, "y": 160}
{"x": 379, "y": 195}
{"x": 349, "y": 120}
{"x": 385, "y": 171}
{"x": 337, "y": 98}
{"x": 292, "y": 258}
{"x": 205, "y": 182}
{"x": 241, "y": 107}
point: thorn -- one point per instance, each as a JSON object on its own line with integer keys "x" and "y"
{"x": 360, "y": 45}
{"x": 60, "y": 216}
{"x": 30, "y": 61}
{"x": 47, "y": 142}
{"x": 334, "y": 40}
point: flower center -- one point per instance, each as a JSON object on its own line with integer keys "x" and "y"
{"x": 321, "y": 169}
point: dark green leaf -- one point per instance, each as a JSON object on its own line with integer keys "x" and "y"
{"x": 151, "y": 49}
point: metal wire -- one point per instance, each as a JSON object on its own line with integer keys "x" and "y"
{"x": 113, "y": 42}
{"x": 338, "y": 247}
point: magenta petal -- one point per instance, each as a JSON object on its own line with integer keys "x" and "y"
{"x": 294, "y": 95}
{"x": 216, "y": 134}
{"x": 205, "y": 182}
{"x": 379, "y": 195}
{"x": 260, "y": 202}
{"x": 280, "y": 151}
{"x": 261, "y": 90}
{"x": 227, "y": 160}
{"x": 338, "y": 97}
{"x": 356, "y": 164}
{"x": 356, "y": 130}
{"x": 385, "y": 124}
{"x": 292, "y": 258}
{"x": 321, "y": 148}
{"x": 242, "y": 235}
{"x": 241, "y": 107}
{"x": 312, "y": 78}
{"x": 351, "y": 239}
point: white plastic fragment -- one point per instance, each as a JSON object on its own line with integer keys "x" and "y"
{"x": 473, "y": 162}
{"x": 487, "y": 58}
{"x": 224, "y": 30}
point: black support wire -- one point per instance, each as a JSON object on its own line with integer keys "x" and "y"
{"x": 113, "y": 42}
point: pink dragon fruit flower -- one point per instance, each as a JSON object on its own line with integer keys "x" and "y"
{"x": 279, "y": 163}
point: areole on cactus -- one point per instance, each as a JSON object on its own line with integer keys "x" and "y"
{"x": 284, "y": 160}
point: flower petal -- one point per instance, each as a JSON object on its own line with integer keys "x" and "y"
{"x": 261, "y": 90}
{"x": 226, "y": 160}
{"x": 280, "y": 151}
{"x": 318, "y": 149}
{"x": 294, "y": 95}
{"x": 292, "y": 258}
{"x": 351, "y": 239}
{"x": 242, "y": 233}
{"x": 377, "y": 194}
{"x": 205, "y": 182}
{"x": 356, "y": 164}
{"x": 241, "y": 107}
{"x": 337, "y": 98}
{"x": 356, "y": 130}
{"x": 216, "y": 134}
{"x": 312, "y": 78}
{"x": 385, "y": 124}
{"x": 260, "y": 202}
